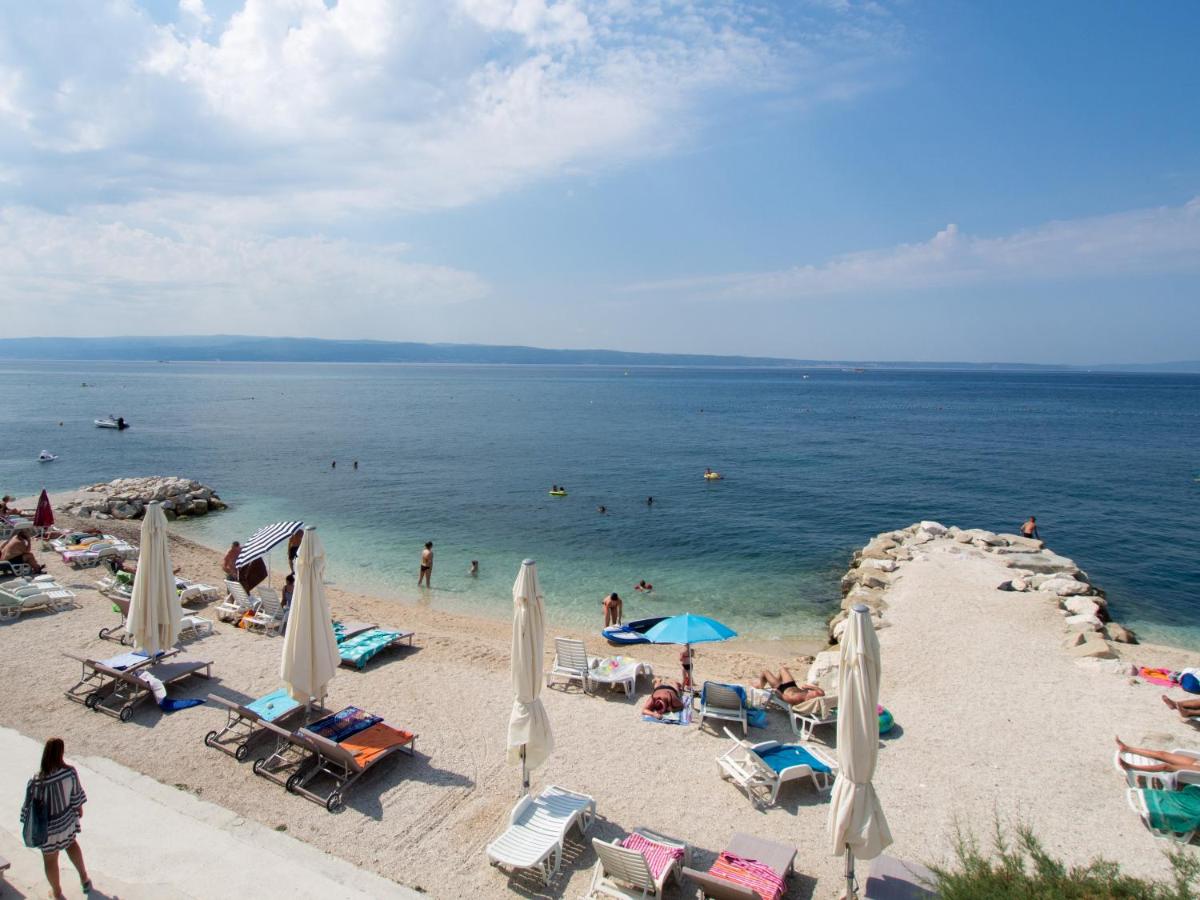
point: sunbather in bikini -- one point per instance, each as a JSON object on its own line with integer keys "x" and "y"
{"x": 666, "y": 698}
{"x": 1187, "y": 709}
{"x": 1167, "y": 762}
{"x": 785, "y": 685}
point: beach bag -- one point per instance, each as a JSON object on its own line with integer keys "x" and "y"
{"x": 34, "y": 814}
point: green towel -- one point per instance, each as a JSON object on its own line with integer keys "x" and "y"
{"x": 1176, "y": 811}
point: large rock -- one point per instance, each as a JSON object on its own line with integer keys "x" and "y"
{"x": 824, "y": 669}
{"x": 126, "y": 498}
{"x": 934, "y": 529}
{"x": 880, "y": 565}
{"x": 1092, "y": 645}
{"x": 1018, "y": 542}
{"x": 1119, "y": 633}
{"x": 1065, "y": 587}
{"x": 1083, "y": 623}
{"x": 1043, "y": 562}
{"x": 1081, "y": 606}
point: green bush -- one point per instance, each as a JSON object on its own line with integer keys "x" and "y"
{"x": 1027, "y": 872}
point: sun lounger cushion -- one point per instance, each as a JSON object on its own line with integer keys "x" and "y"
{"x": 1175, "y": 811}
{"x": 370, "y": 742}
{"x": 658, "y": 856}
{"x": 361, "y": 648}
{"x": 749, "y": 873}
{"x": 125, "y": 660}
{"x": 344, "y": 724}
{"x": 274, "y": 705}
{"x": 785, "y": 756}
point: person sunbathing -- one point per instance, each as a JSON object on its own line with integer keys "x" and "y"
{"x": 1167, "y": 762}
{"x": 787, "y": 688}
{"x": 1187, "y": 709}
{"x": 18, "y": 550}
{"x": 666, "y": 698}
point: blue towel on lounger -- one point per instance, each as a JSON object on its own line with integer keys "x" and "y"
{"x": 362, "y": 647}
{"x": 273, "y": 705}
{"x": 787, "y": 755}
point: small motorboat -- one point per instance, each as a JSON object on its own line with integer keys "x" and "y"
{"x": 117, "y": 422}
{"x": 46, "y": 456}
{"x": 631, "y": 632}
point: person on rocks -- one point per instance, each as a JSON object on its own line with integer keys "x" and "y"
{"x": 1029, "y": 529}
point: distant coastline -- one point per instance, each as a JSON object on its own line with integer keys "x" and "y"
{"x": 242, "y": 348}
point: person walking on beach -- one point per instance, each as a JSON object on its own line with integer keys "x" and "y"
{"x": 1029, "y": 529}
{"x": 426, "y": 564}
{"x": 294, "y": 548}
{"x": 57, "y": 788}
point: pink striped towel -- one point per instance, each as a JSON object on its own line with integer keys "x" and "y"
{"x": 760, "y": 878}
{"x": 658, "y": 856}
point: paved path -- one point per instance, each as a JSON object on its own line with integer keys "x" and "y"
{"x": 143, "y": 839}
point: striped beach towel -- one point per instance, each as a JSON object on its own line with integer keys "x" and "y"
{"x": 658, "y": 856}
{"x": 749, "y": 873}
{"x": 343, "y": 724}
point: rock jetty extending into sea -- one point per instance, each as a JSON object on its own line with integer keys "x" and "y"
{"x": 126, "y": 498}
{"x": 1034, "y": 570}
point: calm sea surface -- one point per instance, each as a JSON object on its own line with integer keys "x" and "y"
{"x": 815, "y": 463}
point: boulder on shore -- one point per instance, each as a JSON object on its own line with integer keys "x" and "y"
{"x": 126, "y": 498}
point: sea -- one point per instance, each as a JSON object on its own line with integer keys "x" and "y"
{"x": 814, "y": 463}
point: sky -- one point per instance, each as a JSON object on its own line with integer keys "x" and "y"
{"x": 818, "y": 179}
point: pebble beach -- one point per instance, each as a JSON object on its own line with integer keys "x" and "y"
{"x": 996, "y": 719}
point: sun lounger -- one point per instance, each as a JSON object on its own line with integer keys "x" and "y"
{"x": 344, "y": 630}
{"x": 537, "y": 827}
{"x": 9, "y": 569}
{"x": 335, "y": 746}
{"x": 125, "y": 688}
{"x": 268, "y": 616}
{"x": 749, "y": 868}
{"x": 638, "y": 866}
{"x": 1174, "y": 815}
{"x": 245, "y": 722}
{"x": 196, "y": 593}
{"x": 119, "y": 632}
{"x": 1166, "y": 781}
{"x": 95, "y": 675}
{"x": 236, "y": 605}
{"x": 359, "y": 650}
{"x": 724, "y": 701}
{"x": 196, "y": 625}
{"x": 572, "y": 663}
{"x": 809, "y": 715}
{"x": 15, "y": 601}
{"x": 765, "y": 767}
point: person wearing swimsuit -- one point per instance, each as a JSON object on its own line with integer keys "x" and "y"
{"x": 426, "y": 565}
{"x": 666, "y": 698}
{"x": 785, "y": 685}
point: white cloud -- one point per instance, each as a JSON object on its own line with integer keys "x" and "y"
{"x": 1146, "y": 240}
{"x": 67, "y": 274}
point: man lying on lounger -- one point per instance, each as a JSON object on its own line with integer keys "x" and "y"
{"x": 666, "y": 698}
{"x": 1167, "y": 762}
{"x": 785, "y": 685}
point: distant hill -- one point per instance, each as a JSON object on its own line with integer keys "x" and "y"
{"x": 241, "y": 348}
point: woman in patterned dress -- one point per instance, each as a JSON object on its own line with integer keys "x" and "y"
{"x": 59, "y": 787}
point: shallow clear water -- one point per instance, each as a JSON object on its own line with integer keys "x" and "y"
{"x": 815, "y": 463}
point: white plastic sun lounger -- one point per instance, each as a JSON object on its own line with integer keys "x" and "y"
{"x": 1137, "y": 802}
{"x": 537, "y": 828}
{"x": 805, "y": 723}
{"x": 762, "y": 769}
{"x": 1163, "y": 781}
{"x": 721, "y": 701}
{"x": 625, "y": 873}
{"x": 268, "y": 616}
{"x": 572, "y": 663}
{"x": 236, "y": 605}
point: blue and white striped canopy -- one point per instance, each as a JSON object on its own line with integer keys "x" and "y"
{"x": 264, "y": 539}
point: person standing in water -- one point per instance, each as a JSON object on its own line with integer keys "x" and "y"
{"x": 426, "y": 564}
{"x": 57, "y": 786}
{"x": 612, "y": 609}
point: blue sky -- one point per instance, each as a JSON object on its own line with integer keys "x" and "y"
{"x": 826, "y": 179}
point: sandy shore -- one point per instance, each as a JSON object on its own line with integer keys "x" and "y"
{"x": 993, "y": 719}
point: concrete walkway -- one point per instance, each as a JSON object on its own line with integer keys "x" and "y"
{"x": 142, "y": 839}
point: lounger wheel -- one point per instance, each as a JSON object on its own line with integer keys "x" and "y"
{"x": 92, "y": 700}
{"x": 241, "y": 752}
{"x": 104, "y": 633}
{"x": 210, "y": 739}
{"x": 292, "y": 782}
{"x": 126, "y": 713}
{"x": 258, "y": 766}
{"x": 334, "y": 802}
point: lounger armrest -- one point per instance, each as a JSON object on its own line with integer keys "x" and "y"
{"x": 517, "y": 810}
{"x": 719, "y": 888}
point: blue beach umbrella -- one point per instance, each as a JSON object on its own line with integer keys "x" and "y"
{"x": 688, "y": 629}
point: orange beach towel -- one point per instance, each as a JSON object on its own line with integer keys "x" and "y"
{"x": 368, "y": 744}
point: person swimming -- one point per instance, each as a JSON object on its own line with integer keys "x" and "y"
{"x": 643, "y": 587}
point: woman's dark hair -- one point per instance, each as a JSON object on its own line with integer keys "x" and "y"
{"x": 52, "y": 757}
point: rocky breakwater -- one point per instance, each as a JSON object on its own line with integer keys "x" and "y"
{"x": 1035, "y": 570}
{"x": 126, "y": 498}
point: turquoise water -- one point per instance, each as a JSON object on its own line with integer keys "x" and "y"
{"x": 815, "y": 462}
